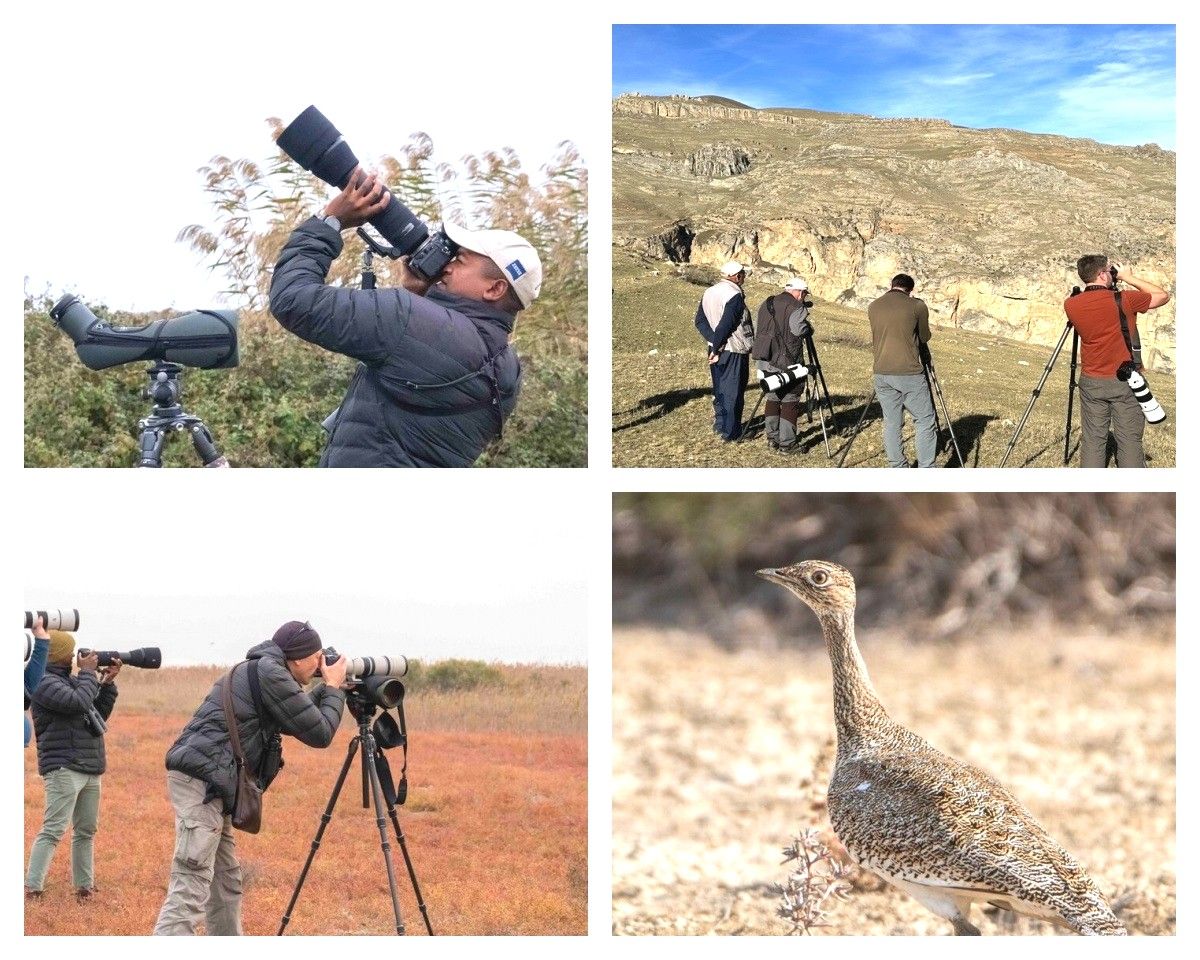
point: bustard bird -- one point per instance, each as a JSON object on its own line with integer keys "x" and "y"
{"x": 941, "y": 830}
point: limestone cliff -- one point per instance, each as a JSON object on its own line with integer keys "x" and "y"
{"x": 989, "y": 222}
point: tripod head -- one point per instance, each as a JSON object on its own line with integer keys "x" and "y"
{"x": 165, "y": 388}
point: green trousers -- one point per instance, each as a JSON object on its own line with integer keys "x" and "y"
{"x": 74, "y": 798}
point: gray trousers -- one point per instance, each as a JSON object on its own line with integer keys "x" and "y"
{"x": 72, "y": 797}
{"x": 206, "y": 878}
{"x": 897, "y": 393}
{"x": 1103, "y": 402}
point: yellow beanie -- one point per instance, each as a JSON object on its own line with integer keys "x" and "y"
{"x": 62, "y": 647}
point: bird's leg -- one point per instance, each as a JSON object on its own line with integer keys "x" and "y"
{"x": 964, "y": 927}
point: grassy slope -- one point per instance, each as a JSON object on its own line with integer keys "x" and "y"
{"x": 496, "y": 818}
{"x": 662, "y": 409}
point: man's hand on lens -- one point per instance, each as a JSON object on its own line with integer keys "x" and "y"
{"x": 410, "y": 281}
{"x": 334, "y": 673}
{"x": 109, "y": 674}
{"x": 39, "y": 629}
{"x": 364, "y": 197}
{"x": 90, "y": 662}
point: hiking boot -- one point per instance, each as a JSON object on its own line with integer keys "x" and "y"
{"x": 85, "y": 893}
{"x": 34, "y": 894}
{"x": 788, "y": 449}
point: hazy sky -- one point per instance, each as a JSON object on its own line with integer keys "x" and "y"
{"x": 125, "y": 102}
{"x": 1115, "y": 84}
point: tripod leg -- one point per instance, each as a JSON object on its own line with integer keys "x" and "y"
{"x": 152, "y": 439}
{"x": 857, "y": 427}
{"x": 816, "y": 389}
{"x": 1037, "y": 392}
{"x": 946, "y": 413}
{"x": 316, "y": 844}
{"x": 412, "y": 873}
{"x": 372, "y": 775}
{"x": 206, "y": 449}
{"x": 753, "y": 413}
{"x": 1071, "y": 396}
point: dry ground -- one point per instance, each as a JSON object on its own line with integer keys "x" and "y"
{"x": 496, "y": 819}
{"x": 720, "y": 758}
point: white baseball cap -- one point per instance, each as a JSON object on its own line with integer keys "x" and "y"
{"x": 513, "y": 254}
{"x": 732, "y": 269}
{"x": 796, "y": 283}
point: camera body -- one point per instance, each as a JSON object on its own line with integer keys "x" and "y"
{"x": 315, "y": 143}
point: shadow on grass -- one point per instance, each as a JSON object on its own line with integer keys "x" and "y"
{"x": 968, "y": 431}
{"x": 660, "y": 405}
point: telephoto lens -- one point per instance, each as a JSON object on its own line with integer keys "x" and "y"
{"x": 53, "y": 619}
{"x": 315, "y": 143}
{"x": 1151, "y": 408}
{"x": 784, "y": 381}
{"x": 359, "y": 667}
{"x": 144, "y": 658}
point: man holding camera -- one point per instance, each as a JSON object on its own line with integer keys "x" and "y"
{"x": 780, "y": 334}
{"x": 1106, "y": 322}
{"x": 269, "y": 699}
{"x": 69, "y": 714}
{"x": 899, "y": 335}
{"x": 437, "y": 376}
{"x": 724, "y": 322}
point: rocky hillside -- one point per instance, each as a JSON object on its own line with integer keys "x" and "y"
{"x": 990, "y": 222}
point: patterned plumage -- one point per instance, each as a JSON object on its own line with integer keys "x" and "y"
{"x": 939, "y": 829}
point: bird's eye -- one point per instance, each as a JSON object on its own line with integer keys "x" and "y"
{"x": 819, "y": 578}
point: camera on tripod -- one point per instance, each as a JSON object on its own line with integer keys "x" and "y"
{"x": 315, "y": 143}
{"x": 375, "y": 679}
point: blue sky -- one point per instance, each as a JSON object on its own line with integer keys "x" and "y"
{"x": 1115, "y": 84}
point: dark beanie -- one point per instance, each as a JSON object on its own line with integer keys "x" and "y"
{"x": 297, "y": 640}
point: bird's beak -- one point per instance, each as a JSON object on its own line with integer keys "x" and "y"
{"x": 772, "y": 574}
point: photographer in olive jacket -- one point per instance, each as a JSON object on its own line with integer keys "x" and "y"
{"x": 69, "y": 715}
{"x": 268, "y": 700}
{"x": 437, "y": 377}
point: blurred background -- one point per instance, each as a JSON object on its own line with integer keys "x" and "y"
{"x": 1030, "y": 634}
{"x": 953, "y": 560}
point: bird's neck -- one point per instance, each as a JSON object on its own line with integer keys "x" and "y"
{"x": 856, "y": 706}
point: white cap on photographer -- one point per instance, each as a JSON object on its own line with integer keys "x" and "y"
{"x": 732, "y": 269}
{"x": 515, "y": 256}
{"x": 796, "y": 283}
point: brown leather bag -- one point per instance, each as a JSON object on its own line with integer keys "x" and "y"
{"x": 247, "y": 802}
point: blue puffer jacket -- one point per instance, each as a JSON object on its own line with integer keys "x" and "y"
{"x": 402, "y": 340}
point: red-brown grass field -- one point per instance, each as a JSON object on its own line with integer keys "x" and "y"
{"x": 496, "y": 818}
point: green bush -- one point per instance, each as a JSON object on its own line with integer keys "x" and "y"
{"x": 449, "y": 675}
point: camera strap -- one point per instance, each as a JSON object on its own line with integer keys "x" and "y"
{"x": 1125, "y": 327}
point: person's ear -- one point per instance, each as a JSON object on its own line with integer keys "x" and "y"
{"x": 495, "y": 291}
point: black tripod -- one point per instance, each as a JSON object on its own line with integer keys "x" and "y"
{"x": 167, "y": 414}
{"x": 1037, "y": 392}
{"x": 373, "y": 790}
{"x": 935, "y": 396}
{"x": 815, "y": 392}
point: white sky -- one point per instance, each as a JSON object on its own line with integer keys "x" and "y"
{"x": 122, "y": 108}
{"x": 393, "y": 567}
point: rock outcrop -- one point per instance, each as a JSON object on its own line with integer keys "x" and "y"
{"x": 715, "y": 161}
